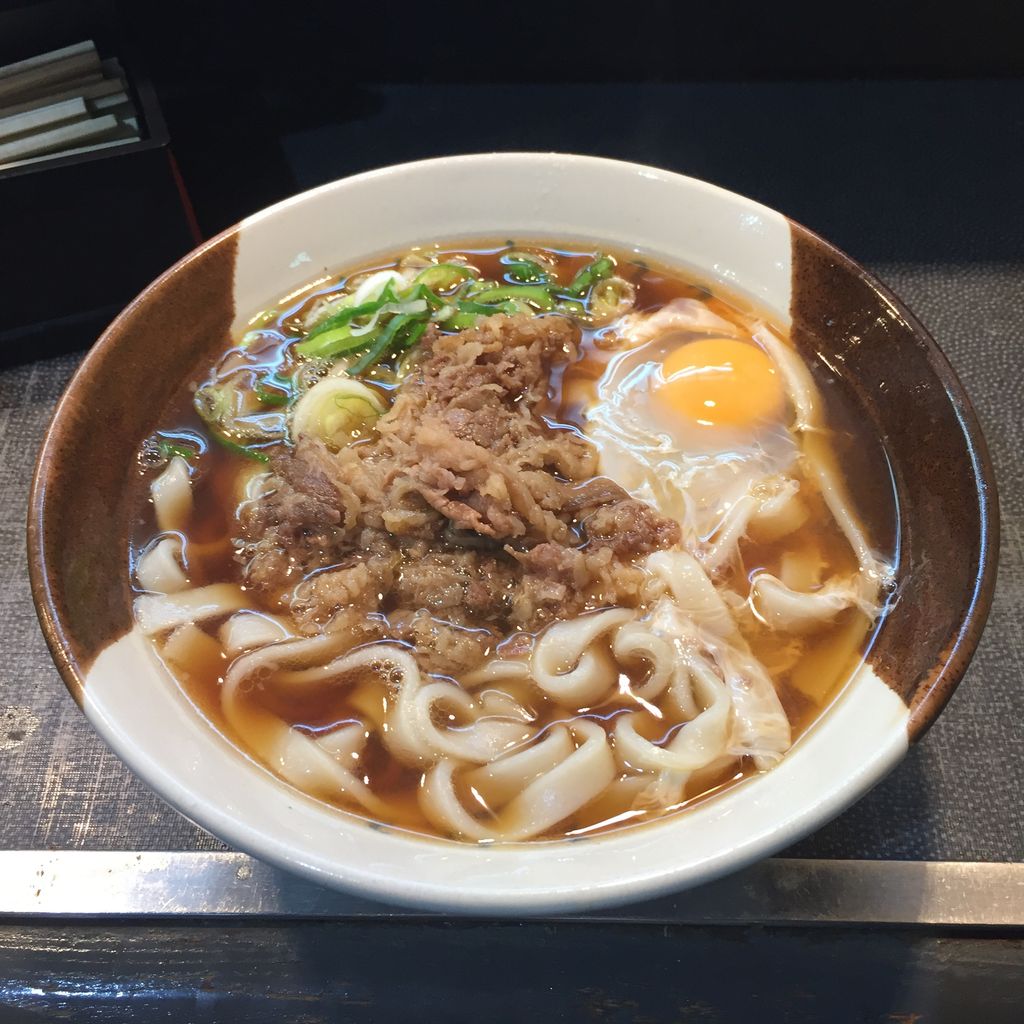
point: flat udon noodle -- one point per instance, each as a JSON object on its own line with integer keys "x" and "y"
{"x": 171, "y": 492}
{"x": 771, "y": 510}
{"x": 780, "y": 510}
{"x": 248, "y": 630}
{"x": 314, "y": 765}
{"x": 699, "y": 666}
{"x": 696, "y": 744}
{"x": 157, "y": 613}
{"x": 636, "y": 641}
{"x": 495, "y": 671}
{"x": 497, "y": 722}
{"x": 410, "y": 733}
{"x": 550, "y": 781}
{"x": 700, "y": 669}
{"x": 792, "y": 611}
{"x": 760, "y": 728}
{"x": 190, "y": 650}
{"x": 568, "y": 665}
{"x": 159, "y": 569}
{"x": 803, "y": 396}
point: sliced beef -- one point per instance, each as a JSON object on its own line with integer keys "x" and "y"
{"x": 630, "y": 528}
{"x": 465, "y": 518}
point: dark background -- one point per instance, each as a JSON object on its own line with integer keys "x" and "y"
{"x": 808, "y": 107}
{"x": 236, "y": 79}
{"x": 790, "y": 103}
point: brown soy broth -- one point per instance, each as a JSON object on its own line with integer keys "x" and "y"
{"x": 807, "y": 673}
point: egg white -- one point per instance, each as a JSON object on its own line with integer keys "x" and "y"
{"x": 690, "y": 472}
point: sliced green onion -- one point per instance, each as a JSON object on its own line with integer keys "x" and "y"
{"x": 412, "y": 334}
{"x": 273, "y": 390}
{"x": 421, "y": 291}
{"x": 250, "y": 338}
{"x": 320, "y": 343}
{"x": 213, "y": 403}
{"x": 238, "y": 449}
{"x": 472, "y": 306}
{"x": 469, "y": 311}
{"x": 334, "y": 409}
{"x": 442, "y": 276}
{"x": 332, "y": 343}
{"x": 590, "y": 275}
{"x": 571, "y": 307}
{"x": 523, "y": 270}
{"x": 168, "y": 450}
{"x": 343, "y": 317}
{"x": 536, "y": 294}
{"x": 460, "y": 321}
{"x": 608, "y": 301}
{"x": 221, "y": 405}
{"x": 339, "y": 321}
{"x": 380, "y": 345}
{"x": 372, "y": 285}
{"x": 356, "y": 408}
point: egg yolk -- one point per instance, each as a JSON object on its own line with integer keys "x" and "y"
{"x": 720, "y": 382}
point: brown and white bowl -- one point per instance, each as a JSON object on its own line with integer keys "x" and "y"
{"x": 887, "y": 365}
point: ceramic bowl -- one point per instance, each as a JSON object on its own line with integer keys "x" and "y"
{"x": 901, "y": 384}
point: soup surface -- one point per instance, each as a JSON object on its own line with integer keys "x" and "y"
{"x": 509, "y": 542}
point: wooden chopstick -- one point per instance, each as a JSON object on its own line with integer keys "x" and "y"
{"x": 96, "y": 129}
{"x": 42, "y": 119}
{"x": 93, "y": 91}
{"x": 24, "y": 85}
{"x": 64, "y": 102}
{"x": 127, "y": 140}
{"x": 42, "y": 59}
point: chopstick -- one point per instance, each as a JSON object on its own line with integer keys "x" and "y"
{"x": 42, "y": 59}
{"x": 63, "y": 102}
{"x": 82, "y": 68}
{"x": 93, "y": 91}
{"x": 42, "y": 119}
{"x": 96, "y": 129}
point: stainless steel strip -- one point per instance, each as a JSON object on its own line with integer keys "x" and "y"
{"x": 782, "y": 892}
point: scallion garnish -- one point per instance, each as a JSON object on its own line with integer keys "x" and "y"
{"x": 536, "y": 294}
{"x": 273, "y": 390}
{"x": 239, "y": 449}
{"x": 589, "y": 276}
{"x": 380, "y": 345}
{"x": 442, "y": 276}
{"x": 168, "y": 449}
{"x": 523, "y": 270}
{"x": 448, "y": 294}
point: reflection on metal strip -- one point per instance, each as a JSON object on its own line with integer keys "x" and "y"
{"x": 788, "y": 892}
